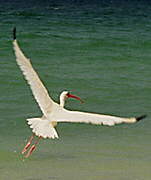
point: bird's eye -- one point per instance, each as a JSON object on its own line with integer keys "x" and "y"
{"x": 68, "y": 94}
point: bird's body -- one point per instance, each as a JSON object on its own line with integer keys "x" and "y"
{"x": 53, "y": 113}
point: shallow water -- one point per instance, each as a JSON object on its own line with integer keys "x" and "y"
{"x": 98, "y": 51}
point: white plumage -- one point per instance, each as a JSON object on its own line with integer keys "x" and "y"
{"x": 42, "y": 128}
{"x": 53, "y": 112}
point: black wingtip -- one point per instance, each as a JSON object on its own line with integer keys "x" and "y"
{"x": 14, "y": 33}
{"x": 141, "y": 117}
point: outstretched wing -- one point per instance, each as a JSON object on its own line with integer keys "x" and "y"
{"x": 39, "y": 91}
{"x": 82, "y": 117}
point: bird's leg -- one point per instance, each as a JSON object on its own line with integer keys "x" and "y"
{"x": 33, "y": 147}
{"x": 28, "y": 144}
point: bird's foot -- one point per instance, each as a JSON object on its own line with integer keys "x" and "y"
{"x": 26, "y": 147}
{"x": 33, "y": 147}
{"x": 28, "y": 144}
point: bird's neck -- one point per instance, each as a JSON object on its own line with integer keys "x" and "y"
{"x": 62, "y": 102}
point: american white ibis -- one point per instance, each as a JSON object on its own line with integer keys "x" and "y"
{"x": 44, "y": 127}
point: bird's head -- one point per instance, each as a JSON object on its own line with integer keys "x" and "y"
{"x": 65, "y": 95}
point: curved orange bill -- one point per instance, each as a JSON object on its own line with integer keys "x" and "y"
{"x": 75, "y": 97}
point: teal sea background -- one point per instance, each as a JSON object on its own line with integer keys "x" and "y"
{"x": 98, "y": 50}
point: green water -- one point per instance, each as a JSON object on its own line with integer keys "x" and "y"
{"x": 98, "y": 51}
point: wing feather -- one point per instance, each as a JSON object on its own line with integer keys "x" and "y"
{"x": 82, "y": 117}
{"x": 39, "y": 91}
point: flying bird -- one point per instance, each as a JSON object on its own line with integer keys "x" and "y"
{"x": 53, "y": 113}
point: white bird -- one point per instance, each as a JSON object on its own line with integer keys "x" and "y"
{"x": 53, "y": 113}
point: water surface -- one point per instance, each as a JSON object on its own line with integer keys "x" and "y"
{"x": 99, "y": 51}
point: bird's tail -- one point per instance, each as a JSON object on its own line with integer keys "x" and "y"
{"x": 42, "y": 128}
